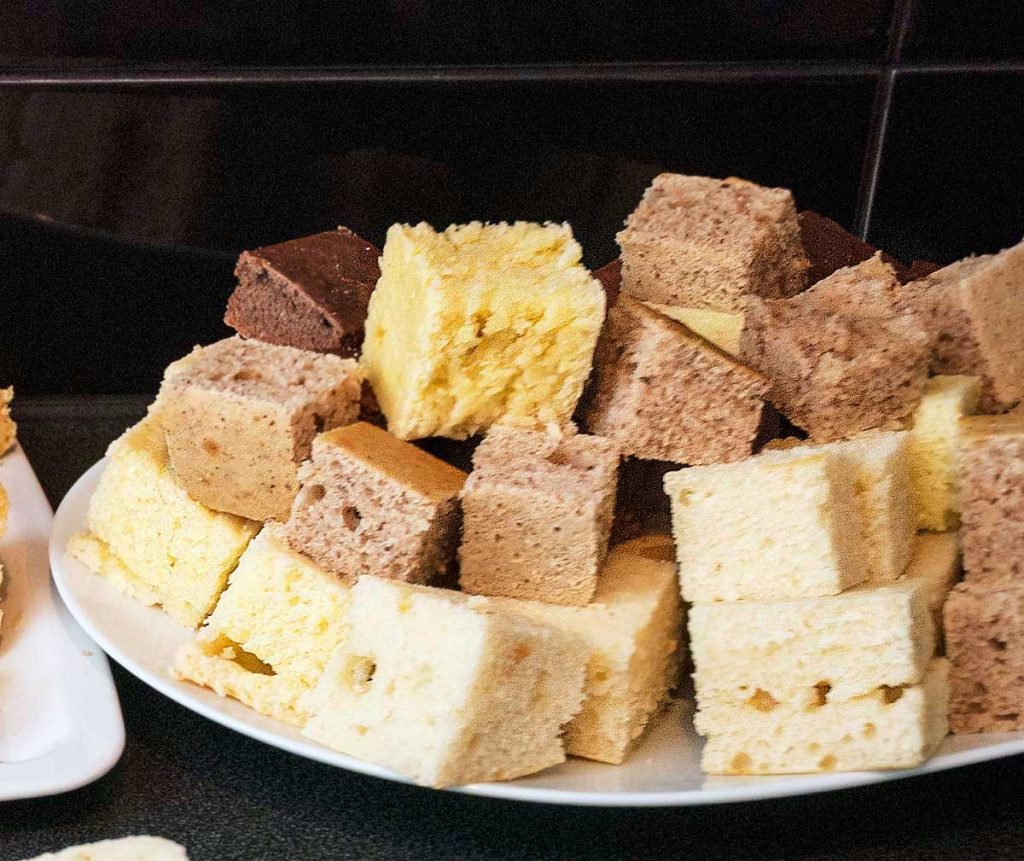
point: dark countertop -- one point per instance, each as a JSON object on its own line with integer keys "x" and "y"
{"x": 227, "y": 797}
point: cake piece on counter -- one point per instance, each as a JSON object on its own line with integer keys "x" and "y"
{"x": 150, "y": 538}
{"x": 992, "y": 500}
{"x": 240, "y": 417}
{"x": 373, "y": 504}
{"x": 721, "y": 328}
{"x": 272, "y": 632}
{"x": 537, "y": 514}
{"x": 708, "y": 243}
{"x": 126, "y": 849}
{"x": 851, "y": 643}
{"x": 984, "y": 632}
{"x": 975, "y": 311}
{"x": 664, "y": 393}
{"x": 812, "y": 730}
{"x": 768, "y": 528}
{"x": 844, "y": 356}
{"x": 634, "y": 628}
{"x": 309, "y": 293}
{"x": 934, "y": 447}
{"x": 478, "y": 325}
{"x": 881, "y": 484}
{"x": 445, "y": 688}
{"x": 8, "y": 429}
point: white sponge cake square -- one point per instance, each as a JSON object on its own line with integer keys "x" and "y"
{"x": 767, "y": 528}
{"x": 446, "y": 689}
{"x": 126, "y": 849}
{"x": 813, "y": 731}
{"x": 273, "y": 630}
{"x": 851, "y": 642}
{"x": 634, "y": 628}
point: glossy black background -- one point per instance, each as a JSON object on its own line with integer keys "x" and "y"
{"x": 144, "y": 144}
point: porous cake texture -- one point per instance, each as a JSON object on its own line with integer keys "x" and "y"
{"x": 812, "y": 730}
{"x": 767, "y": 528}
{"x": 634, "y": 628}
{"x": 446, "y": 689}
{"x": 310, "y": 293}
{"x": 881, "y": 484}
{"x": 975, "y": 310}
{"x": 721, "y": 328}
{"x": 992, "y": 500}
{"x": 849, "y": 643}
{"x": 985, "y": 643}
{"x": 708, "y": 243}
{"x": 664, "y": 393}
{"x": 150, "y": 538}
{"x": 934, "y": 449}
{"x": 844, "y": 356}
{"x": 8, "y": 429}
{"x": 536, "y": 515}
{"x": 240, "y": 416}
{"x": 272, "y": 632}
{"x": 373, "y": 504}
{"x": 126, "y": 849}
{"x": 480, "y": 324}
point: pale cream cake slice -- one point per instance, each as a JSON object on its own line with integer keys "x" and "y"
{"x": 446, "y": 689}
{"x": 851, "y": 642}
{"x": 272, "y": 632}
{"x": 139, "y": 848}
{"x": 767, "y": 528}
{"x": 634, "y": 627}
{"x": 812, "y": 730}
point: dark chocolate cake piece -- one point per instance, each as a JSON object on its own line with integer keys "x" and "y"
{"x": 610, "y": 276}
{"x": 309, "y": 293}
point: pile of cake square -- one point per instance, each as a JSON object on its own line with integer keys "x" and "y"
{"x": 413, "y": 507}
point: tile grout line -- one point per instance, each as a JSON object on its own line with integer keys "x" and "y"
{"x": 878, "y": 131}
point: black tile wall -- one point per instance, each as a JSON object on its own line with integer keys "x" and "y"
{"x": 952, "y": 179}
{"x": 238, "y": 168}
{"x": 965, "y": 30}
{"x": 437, "y": 31}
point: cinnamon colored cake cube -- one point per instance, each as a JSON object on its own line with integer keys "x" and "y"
{"x": 844, "y": 356}
{"x": 664, "y": 393}
{"x": 975, "y": 310}
{"x": 537, "y": 513}
{"x": 708, "y": 243}
{"x": 984, "y": 632}
{"x": 373, "y": 504}
{"x": 309, "y": 293}
{"x": 240, "y": 416}
{"x": 992, "y": 500}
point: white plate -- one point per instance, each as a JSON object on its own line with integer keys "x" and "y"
{"x": 60, "y": 721}
{"x": 663, "y": 771}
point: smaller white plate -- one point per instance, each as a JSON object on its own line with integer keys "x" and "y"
{"x": 663, "y": 771}
{"x": 60, "y": 721}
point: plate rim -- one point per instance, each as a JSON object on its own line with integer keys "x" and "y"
{"x": 102, "y": 759}
{"x": 777, "y": 786}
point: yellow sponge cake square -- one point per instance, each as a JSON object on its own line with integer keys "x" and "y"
{"x": 163, "y": 545}
{"x": 273, "y": 630}
{"x": 480, "y": 324}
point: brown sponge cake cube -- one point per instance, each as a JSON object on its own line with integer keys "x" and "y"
{"x": 664, "y": 393}
{"x": 310, "y": 293}
{"x": 373, "y": 504}
{"x": 707, "y": 243}
{"x": 240, "y": 416}
{"x": 992, "y": 500}
{"x": 985, "y": 645}
{"x": 844, "y": 356}
{"x": 975, "y": 310}
{"x": 537, "y": 513}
